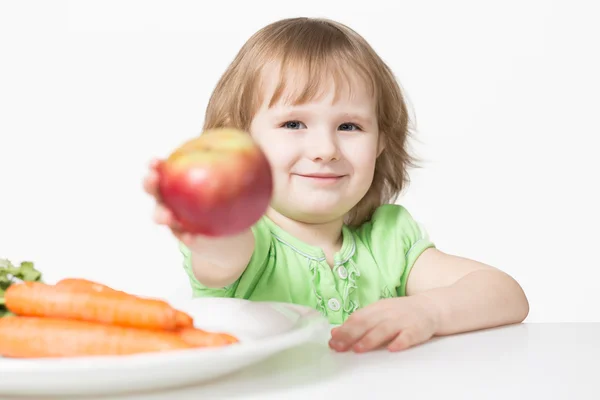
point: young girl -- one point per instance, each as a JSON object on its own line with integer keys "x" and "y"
{"x": 332, "y": 121}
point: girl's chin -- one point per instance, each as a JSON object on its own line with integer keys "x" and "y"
{"x": 317, "y": 215}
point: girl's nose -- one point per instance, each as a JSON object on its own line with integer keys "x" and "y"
{"x": 323, "y": 146}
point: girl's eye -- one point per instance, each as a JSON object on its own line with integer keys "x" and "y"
{"x": 294, "y": 125}
{"x": 349, "y": 127}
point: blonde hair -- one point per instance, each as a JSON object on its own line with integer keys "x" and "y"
{"x": 319, "y": 49}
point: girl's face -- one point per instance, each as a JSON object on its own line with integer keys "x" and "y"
{"x": 322, "y": 152}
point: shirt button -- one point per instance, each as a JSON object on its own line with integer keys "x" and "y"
{"x": 334, "y": 304}
{"x": 342, "y": 272}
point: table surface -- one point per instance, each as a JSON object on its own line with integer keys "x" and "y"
{"x": 524, "y": 361}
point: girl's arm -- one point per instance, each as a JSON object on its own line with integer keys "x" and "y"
{"x": 445, "y": 295}
{"x": 218, "y": 262}
{"x": 468, "y": 295}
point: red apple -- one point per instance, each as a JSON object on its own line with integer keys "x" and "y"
{"x": 218, "y": 184}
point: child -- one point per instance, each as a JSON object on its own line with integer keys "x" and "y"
{"x": 332, "y": 120}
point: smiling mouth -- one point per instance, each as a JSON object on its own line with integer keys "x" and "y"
{"x": 322, "y": 177}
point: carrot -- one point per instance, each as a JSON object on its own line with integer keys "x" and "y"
{"x": 183, "y": 320}
{"x": 29, "y": 337}
{"x": 35, "y": 299}
{"x": 200, "y": 338}
{"x": 85, "y": 284}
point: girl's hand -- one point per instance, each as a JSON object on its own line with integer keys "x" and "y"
{"x": 162, "y": 215}
{"x": 397, "y": 323}
{"x": 217, "y": 266}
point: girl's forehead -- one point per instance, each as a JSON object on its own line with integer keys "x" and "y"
{"x": 295, "y": 86}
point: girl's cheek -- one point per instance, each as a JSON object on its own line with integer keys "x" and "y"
{"x": 267, "y": 147}
{"x": 280, "y": 153}
{"x": 364, "y": 157}
{"x": 280, "y": 162}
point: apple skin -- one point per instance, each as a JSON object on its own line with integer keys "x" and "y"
{"x": 218, "y": 184}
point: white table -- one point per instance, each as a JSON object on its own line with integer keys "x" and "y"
{"x": 526, "y": 361}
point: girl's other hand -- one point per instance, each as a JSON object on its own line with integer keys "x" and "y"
{"x": 397, "y": 323}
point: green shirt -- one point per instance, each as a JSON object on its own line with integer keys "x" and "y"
{"x": 373, "y": 263}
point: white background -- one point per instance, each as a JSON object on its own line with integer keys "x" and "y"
{"x": 505, "y": 96}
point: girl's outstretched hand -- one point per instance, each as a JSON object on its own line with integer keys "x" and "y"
{"x": 162, "y": 215}
{"x": 397, "y": 323}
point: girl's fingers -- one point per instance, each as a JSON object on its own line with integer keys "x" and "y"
{"x": 151, "y": 183}
{"x": 358, "y": 324}
{"x": 378, "y": 336}
{"x": 154, "y": 163}
{"x": 162, "y": 215}
{"x": 151, "y": 178}
{"x": 407, "y": 338}
{"x": 186, "y": 238}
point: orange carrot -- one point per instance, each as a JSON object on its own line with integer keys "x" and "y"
{"x": 183, "y": 320}
{"x": 200, "y": 338}
{"x": 86, "y": 284}
{"x": 32, "y": 337}
{"x": 35, "y": 299}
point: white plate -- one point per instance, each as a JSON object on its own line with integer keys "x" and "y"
{"x": 263, "y": 329}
